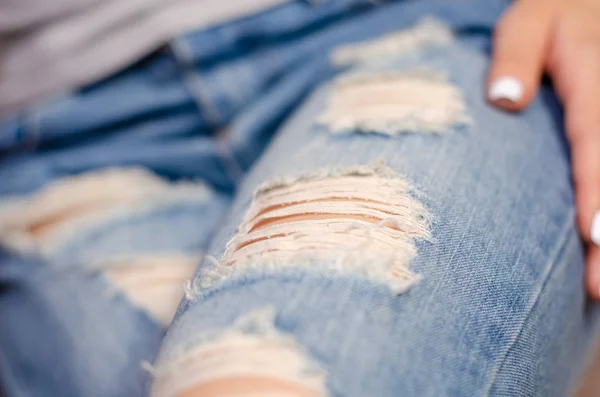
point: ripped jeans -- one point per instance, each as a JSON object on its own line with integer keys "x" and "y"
{"x": 398, "y": 236}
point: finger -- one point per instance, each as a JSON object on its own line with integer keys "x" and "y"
{"x": 521, "y": 39}
{"x": 575, "y": 69}
{"x": 574, "y": 64}
{"x": 586, "y": 175}
{"x": 592, "y": 273}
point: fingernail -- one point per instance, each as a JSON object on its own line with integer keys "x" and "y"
{"x": 595, "y": 232}
{"x": 506, "y": 87}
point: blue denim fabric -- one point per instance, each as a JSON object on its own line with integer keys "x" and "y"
{"x": 66, "y": 330}
{"x": 500, "y": 309}
{"x": 184, "y": 100}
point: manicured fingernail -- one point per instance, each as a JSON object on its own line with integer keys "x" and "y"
{"x": 506, "y": 87}
{"x": 595, "y": 232}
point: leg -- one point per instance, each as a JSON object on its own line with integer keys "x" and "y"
{"x": 100, "y": 226}
{"x": 91, "y": 276}
{"x": 453, "y": 269}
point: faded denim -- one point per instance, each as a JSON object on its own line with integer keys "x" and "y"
{"x": 499, "y": 309}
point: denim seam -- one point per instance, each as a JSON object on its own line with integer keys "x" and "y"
{"x": 193, "y": 82}
{"x": 231, "y": 166}
{"x": 566, "y": 236}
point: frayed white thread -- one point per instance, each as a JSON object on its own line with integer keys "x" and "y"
{"x": 259, "y": 321}
{"x": 87, "y": 201}
{"x": 352, "y": 79}
{"x": 193, "y": 287}
{"x": 392, "y": 103}
{"x": 252, "y": 347}
{"x": 214, "y": 261}
{"x": 189, "y": 290}
{"x": 376, "y": 168}
{"x": 376, "y": 268}
{"x": 387, "y": 221}
{"x": 362, "y": 221}
{"x": 146, "y": 366}
{"x": 428, "y": 32}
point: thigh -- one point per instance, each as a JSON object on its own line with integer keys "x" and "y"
{"x": 398, "y": 237}
{"x": 91, "y": 273}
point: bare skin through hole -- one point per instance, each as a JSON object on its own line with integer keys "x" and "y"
{"x": 316, "y": 216}
{"x": 343, "y": 224}
{"x": 248, "y": 385}
{"x": 44, "y": 225}
{"x": 153, "y": 282}
{"x": 325, "y": 200}
{"x": 247, "y": 243}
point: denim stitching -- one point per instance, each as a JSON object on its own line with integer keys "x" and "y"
{"x": 193, "y": 82}
{"x": 564, "y": 241}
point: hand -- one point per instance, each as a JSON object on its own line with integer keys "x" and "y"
{"x": 562, "y": 38}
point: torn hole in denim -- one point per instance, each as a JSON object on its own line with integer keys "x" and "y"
{"x": 152, "y": 282}
{"x": 428, "y": 32}
{"x": 394, "y": 102}
{"x": 361, "y": 221}
{"x": 45, "y": 220}
{"x": 248, "y": 359}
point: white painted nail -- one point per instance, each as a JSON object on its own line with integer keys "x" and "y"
{"x": 506, "y": 87}
{"x": 595, "y": 232}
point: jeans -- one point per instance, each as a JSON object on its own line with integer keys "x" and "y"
{"x": 398, "y": 236}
